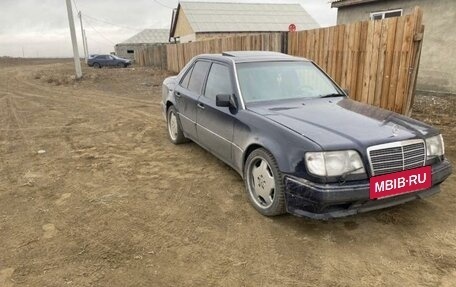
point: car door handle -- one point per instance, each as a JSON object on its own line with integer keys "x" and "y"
{"x": 177, "y": 94}
{"x": 201, "y": 106}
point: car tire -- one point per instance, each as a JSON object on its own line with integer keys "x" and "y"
{"x": 264, "y": 183}
{"x": 175, "y": 133}
{"x": 97, "y": 65}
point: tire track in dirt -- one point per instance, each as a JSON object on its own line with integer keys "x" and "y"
{"x": 18, "y": 122}
{"x": 90, "y": 99}
{"x": 89, "y": 96}
{"x": 142, "y": 210}
{"x": 101, "y": 107}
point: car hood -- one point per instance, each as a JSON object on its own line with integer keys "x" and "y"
{"x": 336, "y": 123}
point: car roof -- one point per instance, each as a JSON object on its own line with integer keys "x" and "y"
{"x": 251, "y": 56}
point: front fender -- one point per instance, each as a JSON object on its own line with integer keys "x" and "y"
{"x": 288, "y": 147}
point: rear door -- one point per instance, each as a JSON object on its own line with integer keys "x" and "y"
{"x": 215, "y": 125}
{"x": 111, "y": 60}
{"x": 100, "y": 60}
{"x": 187, "y": 93}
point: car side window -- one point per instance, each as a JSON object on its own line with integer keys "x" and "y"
{"x": 218, "y": 81}
{"x": 186, "y": 79}
{"x": 198, "y": 76}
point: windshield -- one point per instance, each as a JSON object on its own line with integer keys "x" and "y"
{"x": 266, "y": 81}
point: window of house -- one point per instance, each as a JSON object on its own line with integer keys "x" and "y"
{"x": 218, "y": 81}
{"x": 386, "y": 14}
{"x": 130, "y": 51}
{"x": 198, "y": 76}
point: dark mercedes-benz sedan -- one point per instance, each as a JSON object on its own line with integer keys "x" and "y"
{"x": 296, "y": 138}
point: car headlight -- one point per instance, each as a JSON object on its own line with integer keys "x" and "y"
{"x": 334, "y": 163}
{"x": 435, "y": 146}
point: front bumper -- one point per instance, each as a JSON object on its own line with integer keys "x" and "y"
{"x": 324, "y": 201}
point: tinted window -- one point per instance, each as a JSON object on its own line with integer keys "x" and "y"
{"x": 198, "y": 75}
{"x": 185, "y": 80}
{"x": 218, "y": 81}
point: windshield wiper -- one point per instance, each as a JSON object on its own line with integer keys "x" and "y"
{"x": 332, "y": 95}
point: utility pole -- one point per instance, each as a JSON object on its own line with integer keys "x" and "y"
{"x": 86, "y": 46}
{"x": 84, "y": 40}
{"x": 77, "y": 61}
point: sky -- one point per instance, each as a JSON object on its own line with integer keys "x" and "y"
{"x": 32, "y": 28}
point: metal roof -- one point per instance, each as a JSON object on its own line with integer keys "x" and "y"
{"x": 148, "y": 36}
{"x": 245, "y": 17}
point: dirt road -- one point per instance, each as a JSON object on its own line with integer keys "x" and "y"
{"x": 92, "y": 193}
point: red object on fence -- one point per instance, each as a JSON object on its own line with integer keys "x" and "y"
{"x": 292, "y": 28}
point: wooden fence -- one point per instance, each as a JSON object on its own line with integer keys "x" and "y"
{"x": 152, "y": 55}
{"x": 377, "y": 61}
{"x": 180, "y": 54}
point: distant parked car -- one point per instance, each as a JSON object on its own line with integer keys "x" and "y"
{"x": 299, "y": 142}
{"x": 99, "y": 61}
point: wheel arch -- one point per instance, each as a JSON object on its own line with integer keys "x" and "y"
{"x": 254, "y": 146}
{"x": 288, "y": 152}
{"x": 168, "y": 104}
{"x": 248, "y": 151}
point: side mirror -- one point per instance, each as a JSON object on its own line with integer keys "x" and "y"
{"x": 225, "y": 101}
{"x": 347, "y": 92}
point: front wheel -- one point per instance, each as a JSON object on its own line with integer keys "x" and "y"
{"x": 264, "y": 183}
{"x": 174, "y": 128}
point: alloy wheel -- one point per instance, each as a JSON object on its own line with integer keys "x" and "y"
{"x": 261, "y": 182}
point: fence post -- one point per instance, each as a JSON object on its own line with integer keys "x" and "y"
{"x": 415, "y": 59}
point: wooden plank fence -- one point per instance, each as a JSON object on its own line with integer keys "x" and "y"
{"x": 377, "y": 61}
{"x": 152, "y": 55}
{"x": 180, "y": 54}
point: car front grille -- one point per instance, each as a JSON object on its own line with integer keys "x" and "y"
{"x": 396, "y": 156}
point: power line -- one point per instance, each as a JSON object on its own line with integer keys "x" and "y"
{"x": 109, "y": 23}
{"x": 75, "y": 6}
{"x": 163, "y": 5}
{"x": 93, "y": 28}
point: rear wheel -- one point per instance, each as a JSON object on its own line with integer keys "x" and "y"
{"x": 97, "y": 65}
{"x": 174, "y": 127}
{"x": 264, "y": 183}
